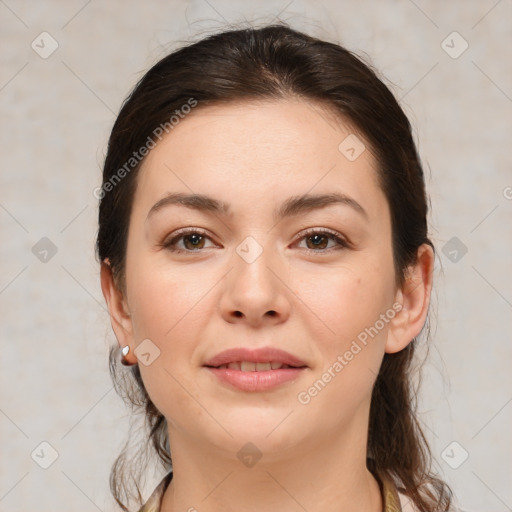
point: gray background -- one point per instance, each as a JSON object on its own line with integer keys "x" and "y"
{"x": 56, "y": 116}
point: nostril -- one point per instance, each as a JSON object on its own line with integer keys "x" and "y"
{"x": 271, "y": 313}
{"x": 238, "y": 314}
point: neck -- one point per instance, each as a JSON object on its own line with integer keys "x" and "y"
{"x": 320, "y": 475}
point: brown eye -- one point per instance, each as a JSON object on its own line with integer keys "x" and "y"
{"x": 193, "y": 241}
{"x": 323, "y": 241}
{"x": 188, "y": 241}
{"x": 317, "y": 241}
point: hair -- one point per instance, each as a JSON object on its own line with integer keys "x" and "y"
{"x": 276, "y": 62}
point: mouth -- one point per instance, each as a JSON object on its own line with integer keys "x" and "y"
{"x": 255, "y": 370}
{"x": 251, "y": 360}
{"x": 249, "y": 366}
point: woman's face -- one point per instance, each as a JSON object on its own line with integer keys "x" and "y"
{"x": 289, "y": 248}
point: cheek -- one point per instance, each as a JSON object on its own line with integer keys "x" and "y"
{"x": 348, "y": 300}
{"x": 165, "y": 301}
{"x": 350, "y": 339}
{"x": 170, "y": 308}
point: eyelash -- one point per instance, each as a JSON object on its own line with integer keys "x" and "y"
{"x": 332, "y": 235}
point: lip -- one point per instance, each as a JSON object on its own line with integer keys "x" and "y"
{"x": 256, "y": 381}
{"x": 258, "y": 355}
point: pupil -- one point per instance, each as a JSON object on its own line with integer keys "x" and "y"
{"x": 194, "y": 239}
{"x": 318, "y": 240}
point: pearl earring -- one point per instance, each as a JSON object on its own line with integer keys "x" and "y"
{"x": 124, "y": 351}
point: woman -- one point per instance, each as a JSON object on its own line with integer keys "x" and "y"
{"x": 267, "y": 268}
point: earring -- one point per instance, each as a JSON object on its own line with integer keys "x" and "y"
{"x": 124, "y": 352}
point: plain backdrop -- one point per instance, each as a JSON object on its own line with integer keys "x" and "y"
{"x": 66, "y": 68}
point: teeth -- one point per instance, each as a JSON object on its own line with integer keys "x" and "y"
{"x": 247, "y": 366}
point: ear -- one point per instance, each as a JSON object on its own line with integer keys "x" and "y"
{"x": 414, "y": 297}
{"x": 118, "y": 309}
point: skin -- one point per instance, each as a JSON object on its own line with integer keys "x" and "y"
{"x": 312, "y": 304}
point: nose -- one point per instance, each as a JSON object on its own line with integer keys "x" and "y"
{"x": 254, "y": 293}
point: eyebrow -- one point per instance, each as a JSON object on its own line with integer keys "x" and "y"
{"x": 292, "y": 206}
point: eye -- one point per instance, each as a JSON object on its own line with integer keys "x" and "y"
{"x": 323, "y": 241}
{"x": 194, "y": 240}
{"x": 187, "y": 241}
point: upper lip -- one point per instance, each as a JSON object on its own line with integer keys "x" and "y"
{"x": 258, "y": 355}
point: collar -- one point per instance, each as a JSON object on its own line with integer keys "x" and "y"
{"x": 389, "y": 493}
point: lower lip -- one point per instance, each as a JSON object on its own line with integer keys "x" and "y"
{"x": 256, "y": 381}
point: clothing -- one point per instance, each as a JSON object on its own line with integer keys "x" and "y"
{"x": 155, "y": 500}
{"x": 392, "y": 500}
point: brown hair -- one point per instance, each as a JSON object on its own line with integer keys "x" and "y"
{"x": 277, "y": 62}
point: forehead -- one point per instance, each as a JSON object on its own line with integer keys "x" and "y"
{"x": 259, "y": 148}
